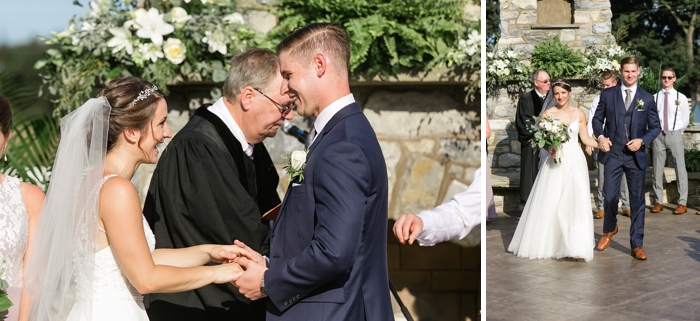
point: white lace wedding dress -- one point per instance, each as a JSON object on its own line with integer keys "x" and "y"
{"x": 557, "y": 221}
{"x": 111, "y": 296}
{"x": 14, "y": 223}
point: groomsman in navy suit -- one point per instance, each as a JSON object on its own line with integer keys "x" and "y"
{"x": 328, "y": 246}
{"x": 631, "y": 124}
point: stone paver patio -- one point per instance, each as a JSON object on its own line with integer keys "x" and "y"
{"x": 614, "y": 286}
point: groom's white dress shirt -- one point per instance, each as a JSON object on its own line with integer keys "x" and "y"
{"x": 454, "y": 219}
{"x": 325, "y": 116}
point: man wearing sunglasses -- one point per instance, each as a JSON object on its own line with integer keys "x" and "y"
{"x": 215, "y": 179}
{"x": 529, "y": 106}
{"x": 674, "y": 114}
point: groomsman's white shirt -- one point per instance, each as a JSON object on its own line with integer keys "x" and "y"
{"x": 683, "y": 109}
{"x": 454, "y": 219}
{"x": 594, "y": 106}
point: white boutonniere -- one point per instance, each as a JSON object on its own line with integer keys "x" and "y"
{"x": 294, "y": 163}
{"x": 678, "y": 102}
{"x": 640, "y": 104}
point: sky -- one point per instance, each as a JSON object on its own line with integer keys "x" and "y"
{"x": 22, "y": 20}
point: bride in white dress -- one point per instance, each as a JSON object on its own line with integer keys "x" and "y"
{"x": 556, "y": 221}
{"x": 93, "y": 256}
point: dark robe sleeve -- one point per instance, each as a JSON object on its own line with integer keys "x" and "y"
{"x": 524, "y": 117}
{"x": 196, "y": 198}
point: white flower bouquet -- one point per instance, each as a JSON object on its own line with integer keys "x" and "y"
{"x": 163, "y": 41}
{"x": 550, "y": 134}
{"x": 503, "y": 64}
{"x": 602, "y": 58}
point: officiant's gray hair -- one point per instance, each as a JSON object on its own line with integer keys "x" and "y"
{"x": 255, "y": 67}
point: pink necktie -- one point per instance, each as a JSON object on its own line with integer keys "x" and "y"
{"x": 249, "y": 151}
{"x": 665, "y": 112}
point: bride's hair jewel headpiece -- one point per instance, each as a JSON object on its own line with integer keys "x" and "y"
{"x": 562, "y": 83}
{"x": 144, "y": 94}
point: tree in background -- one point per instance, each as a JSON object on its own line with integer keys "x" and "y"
{"x": 493, "y": 21}
{"x": 664, "y": 33}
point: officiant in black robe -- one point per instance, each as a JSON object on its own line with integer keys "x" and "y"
{"x": 213, "y": 182}
{"x": 529, "y": 106}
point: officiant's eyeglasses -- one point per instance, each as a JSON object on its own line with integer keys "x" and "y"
{"x": 667, "y": 77}
{"x": 283, "y": 109}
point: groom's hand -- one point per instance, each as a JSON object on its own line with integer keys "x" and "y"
{"x": 589, "y": 150}
{"x": 250, "y": 281}
{"x": 604, "y": 143}
{"x": 635, "y": 144}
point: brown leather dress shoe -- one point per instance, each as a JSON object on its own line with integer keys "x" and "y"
{"x": 681, "y": 209}
{"x": 605, "y": 239}
{"x": 657, "y": 208}
{"x": 626, "y": 212}
{"x": 600, "y": 214}
{"x": 638, "y": 253}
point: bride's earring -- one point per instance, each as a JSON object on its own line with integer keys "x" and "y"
{"x": 4, "y": 151}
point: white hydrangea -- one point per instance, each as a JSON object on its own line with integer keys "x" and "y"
{"x": 150, "y": 51}
{"x": 217, "y": 41}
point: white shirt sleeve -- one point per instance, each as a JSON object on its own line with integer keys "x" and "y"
{"x": 454, "y": 219}
{"x": 594, "y": 105}
{"x": 683, "y": 113}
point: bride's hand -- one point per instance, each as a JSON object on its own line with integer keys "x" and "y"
{"x": 553, "y": 152}
{"x": 228, "y": 253}
{"x": 225, "y": 273}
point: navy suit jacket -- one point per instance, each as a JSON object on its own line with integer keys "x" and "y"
{"x": 644, "y": 124}
{"x": 328, "y": 247}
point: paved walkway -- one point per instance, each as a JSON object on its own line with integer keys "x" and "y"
{"x": 614, "y": 286}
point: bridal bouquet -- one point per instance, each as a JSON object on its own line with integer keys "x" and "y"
{"x": 550, "y": 134}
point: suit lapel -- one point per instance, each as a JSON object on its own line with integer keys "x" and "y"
{"x": 348, "y": 110}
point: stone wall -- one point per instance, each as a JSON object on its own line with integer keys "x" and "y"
{"x": 578, "y": 23}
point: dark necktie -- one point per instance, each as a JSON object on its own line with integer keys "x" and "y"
{"x": 628, "y": 99}
{"x": 310, "y": 137}
{"x": 665, "y": 113}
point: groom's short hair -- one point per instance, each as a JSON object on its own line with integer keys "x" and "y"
{"x": 628, "y": 61}
{"x": 324, "y": 37}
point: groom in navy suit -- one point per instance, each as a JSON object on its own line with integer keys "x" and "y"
{"x": 328, "y": 246}
{"x": 631, "y": 124}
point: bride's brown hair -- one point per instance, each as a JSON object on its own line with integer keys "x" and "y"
{"x": 133, "y": 102}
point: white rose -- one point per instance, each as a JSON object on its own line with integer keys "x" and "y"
{"x": 174, "y": 50}
{"x": 298, "y": 159}
{"x": 179, "y": 17}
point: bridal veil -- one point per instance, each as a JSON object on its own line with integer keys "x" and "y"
{"x": 61, "y": 255}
